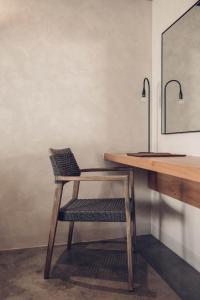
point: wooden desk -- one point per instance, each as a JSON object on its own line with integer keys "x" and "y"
{"x": 178, "y": 177}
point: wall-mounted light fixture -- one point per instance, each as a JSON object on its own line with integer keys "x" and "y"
{"x": 146, "y": 80}
{"x": 165, "y": 99}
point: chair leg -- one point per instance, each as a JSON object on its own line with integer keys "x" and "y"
{"x": 133, "y": 215}
{"x": 52, "y": 234}
{"x": 129, "y": 236}
{"x": 70, "y": 235}
{"x": 133, "y": 230}
{"x": 71, "y": 224}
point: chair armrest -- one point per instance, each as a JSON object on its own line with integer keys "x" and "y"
{"x": 92, "y": 178}
{"x": 105, "y": 169}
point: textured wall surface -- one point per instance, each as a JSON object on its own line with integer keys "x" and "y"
{"x": 175, "y": 223}
{"x": 71, "y": 74}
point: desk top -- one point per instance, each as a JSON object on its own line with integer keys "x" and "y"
{"x": 187, "y": 167}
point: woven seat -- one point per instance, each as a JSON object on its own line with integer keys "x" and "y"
{"x": 94, "y": 210}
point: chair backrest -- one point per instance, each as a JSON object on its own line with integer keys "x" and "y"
{"x": 64, "y": 162}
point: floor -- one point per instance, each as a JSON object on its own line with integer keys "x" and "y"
{"x": 96, "y": 270}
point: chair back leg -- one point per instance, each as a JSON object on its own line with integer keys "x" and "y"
{"x": 71, "y": 224}
{"x": 129, "y": 235}
{"x": 52, "y": 234}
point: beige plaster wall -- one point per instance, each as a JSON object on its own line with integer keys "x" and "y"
{"x": 71, "y": 74}
{"x": 176, "y": 224}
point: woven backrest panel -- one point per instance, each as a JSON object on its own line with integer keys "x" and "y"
{"x": 64, "y": 162}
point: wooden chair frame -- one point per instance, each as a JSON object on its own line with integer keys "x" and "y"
{"x": 130, "y": 216}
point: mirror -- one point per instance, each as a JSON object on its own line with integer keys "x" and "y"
{"x": 181, "y": 74}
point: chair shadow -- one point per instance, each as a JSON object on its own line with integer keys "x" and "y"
{"x": 104, "y": 269}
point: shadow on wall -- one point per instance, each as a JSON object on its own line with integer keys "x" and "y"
{"x": 167, "y": 212}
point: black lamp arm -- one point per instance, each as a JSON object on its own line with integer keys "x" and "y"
{"x": 165, "y": 99}
{"x": 178, "y": 82}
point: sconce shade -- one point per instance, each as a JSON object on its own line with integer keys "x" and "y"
{"x": 143, "y": 93}
{"x": 181, "y": 95}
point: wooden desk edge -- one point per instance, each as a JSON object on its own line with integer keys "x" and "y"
{"x": 175, "y": 180}
{"x": 179, "y": 166}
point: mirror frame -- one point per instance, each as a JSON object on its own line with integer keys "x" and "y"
{"x": 163, "y": 113}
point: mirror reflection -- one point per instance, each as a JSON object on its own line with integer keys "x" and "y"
{"x": 181, "y": 74}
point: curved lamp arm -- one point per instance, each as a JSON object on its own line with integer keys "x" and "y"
{"x": 165, "y": 98}
{"x": 178, "y": 82}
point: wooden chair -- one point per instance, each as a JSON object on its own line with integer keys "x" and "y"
{"x": 66, "y": 169}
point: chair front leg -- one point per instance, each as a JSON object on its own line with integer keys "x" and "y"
{"x": 71, "y": 224}
{"x": 70, "y": 235}
{"x": 129, "y": 235}
{"x": 52, "y": 234}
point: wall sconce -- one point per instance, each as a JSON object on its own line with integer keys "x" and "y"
{"x": 165, "y": 99}
{"x": 146, "y": 80}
